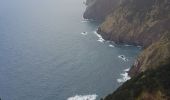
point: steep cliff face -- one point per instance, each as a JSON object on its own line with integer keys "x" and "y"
{"x": 156, "y": 55}
{"x": 149, "y": 85}
{"x": 99, "y": 9}
{"x": 145, "y": 23}
{"x": 137, "y": 22}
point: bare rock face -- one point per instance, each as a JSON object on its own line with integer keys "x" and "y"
{"x": 90, "y": 2}
{"x": 138, "y": 22}
{"x": 99, "y": 9}
{"x": 156, "y": 55}
{"x": 145, "y": 23}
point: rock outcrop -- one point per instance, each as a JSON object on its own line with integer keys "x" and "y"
{"x": 99, "y": 9}
{"x": 137, "y": 22}
{"x": 149, "y": 85}
{"x": 154, "y": 56}
{"x": 145, "y": 23}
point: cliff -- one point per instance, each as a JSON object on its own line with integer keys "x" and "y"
{"x": 148, "y": 85}
{"x": 137, "y": 22}
{"x": 145, "y": 23}
{"x": 154, "y": 56}
{"x": 99, "y": 9}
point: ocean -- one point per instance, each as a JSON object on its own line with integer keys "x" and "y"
{"x": 49, "y": 52}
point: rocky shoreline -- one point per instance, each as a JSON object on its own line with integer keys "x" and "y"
{"x": 136, "y": 22}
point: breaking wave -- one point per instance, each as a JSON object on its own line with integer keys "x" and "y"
{"x": 99, "y": 36}
{"x": 84, "y": 33}
{"x": 126, "y": 70}
{"x": 112, "y": 46}
{"x": 124, "y": 76}
{"x": 83, "y": 97}
{"x": 86, "y": 20}
{"x": 127, "y": 45}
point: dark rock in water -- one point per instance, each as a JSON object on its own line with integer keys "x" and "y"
{"x": 123, "y": 58}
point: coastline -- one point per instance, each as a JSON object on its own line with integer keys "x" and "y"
{"x": 136, "y": 63}
{"x": 125, "y": 75}
{"x": 142, "y": 26}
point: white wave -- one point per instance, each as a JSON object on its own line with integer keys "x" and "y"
{"x": 139, "y": 46}
{"x": 101, "y": 40}
{"x": 86, "y": 20}
{"x": 127, "y": 45}
{"x": 123, "y": 57}
{"x": 126, "y": 70}
{"x": 84, "y": 33}
{"x": 111, "y": 46}
{"x": 83, "y": 97}
{"x": 99, "y": 36}
{"x": 124, "y": 77}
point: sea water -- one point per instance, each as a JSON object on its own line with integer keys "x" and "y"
{"x": 49, "y": 52}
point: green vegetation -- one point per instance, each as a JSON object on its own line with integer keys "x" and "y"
{"x": 148, "y": 85}
{"x": 145, "y": 23}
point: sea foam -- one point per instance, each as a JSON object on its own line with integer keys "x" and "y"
{"x": 126, "y": 70}
{"x": 127, "y": 45}
{"x": 123, "y": 57}
{"x": 86, "y": 20}
{"x": 99, "y": 36}
{"x": 84, "y": 33}
{"x": 112, "y": 46}
{"x": 83, "y": 97}
{"x": 124, "y": 76}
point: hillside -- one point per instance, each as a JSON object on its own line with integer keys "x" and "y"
{"x": 138, "y": 22}
{"x": 99, "y": 9}
{"x": 145, "y": 23}
{"x": 149, "y": 85}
